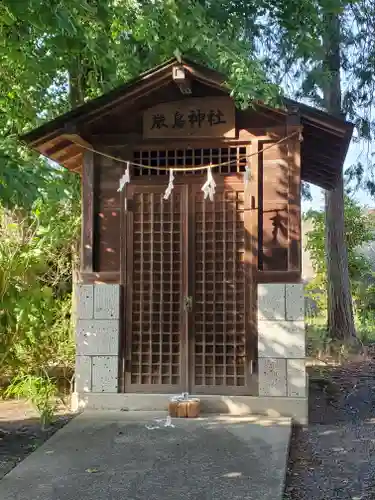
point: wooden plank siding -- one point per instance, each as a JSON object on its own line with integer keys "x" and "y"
{"x": 108, "y": 215}
{"x": 88, "y": 213}
{"x": 279, "y": 208}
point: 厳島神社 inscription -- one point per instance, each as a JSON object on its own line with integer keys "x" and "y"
{"x": 207, "y": 117}
{"x": 195, "y": 118}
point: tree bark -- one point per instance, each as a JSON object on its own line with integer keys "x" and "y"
{"x": 76, "y": 87}
{"x": 339, "y": 299}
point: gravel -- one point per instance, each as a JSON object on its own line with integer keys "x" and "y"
{"x": 333, "y": 457}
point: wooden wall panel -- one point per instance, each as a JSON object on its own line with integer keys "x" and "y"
{"x": 275, "y": 181}
{"x": 253, "y": 118}
{"x": 88, "y": 213}
{"x": 108, "y": 249}
{"x": 275, "y": 228}
{"x": 275, "y": 224}
{"x": 276, "y": 152}
{"x": 108, "y": 177}
{"x": 108, "y": 227}
{"x": 295, "y": 258}
{"x": 279, "y": 203}
{"x": 275, "y": 198}
{"x": 128, "y": 116}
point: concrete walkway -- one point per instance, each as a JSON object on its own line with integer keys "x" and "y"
{"x": 114, "y": 456}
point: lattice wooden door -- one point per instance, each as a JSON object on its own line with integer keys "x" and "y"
{"x": 156, "y": 287}
{"x": 222, "y": 347}
{"x": 188, "y": 290}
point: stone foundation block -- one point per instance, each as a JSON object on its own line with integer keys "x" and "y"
{"x": 83, "y": 374}
{"x": 296, "y": 377}
{"x": 281, "y": 339}
{"x": 272, "y": 377}
{"x": 104, "y": 373}
{"x": 107, "y": 302}
{"x": 99, "y": 336}
{"x": 271, "y": 301}
{"x": 85, "y": 301}
{"x": 295, "y": 302}
{"x": 282, "y": 380}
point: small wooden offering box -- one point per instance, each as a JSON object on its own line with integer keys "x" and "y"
{"x": 184, "y": 409}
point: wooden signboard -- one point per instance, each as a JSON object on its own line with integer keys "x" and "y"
{"x": 197, "y": 117}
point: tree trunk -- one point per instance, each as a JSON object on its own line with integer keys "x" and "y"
{"x": 76, "y": 90}
{"x": 340, "y": 308}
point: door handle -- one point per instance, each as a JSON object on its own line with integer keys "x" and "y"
{"x": 188, "y": 303}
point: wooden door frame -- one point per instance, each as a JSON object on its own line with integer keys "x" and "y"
{"x": 187, "y": 320}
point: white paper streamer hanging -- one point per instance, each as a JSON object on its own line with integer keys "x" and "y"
{"x": 209, "y": 186}
{"x": 125, "y": 179}
{"x": 246, "y": 176}
{"x": 168, "y": 191}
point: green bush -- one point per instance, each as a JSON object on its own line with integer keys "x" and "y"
{"x": 40, "y": 391}
{"x": 37, "y": 252}
{"x": 358, "y": 231}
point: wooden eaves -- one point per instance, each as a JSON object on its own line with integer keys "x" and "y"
{"x": 325, "y": 138}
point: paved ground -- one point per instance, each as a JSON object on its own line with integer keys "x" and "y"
{"x": 113, "y": 456}
{"x": 334, "y": 457}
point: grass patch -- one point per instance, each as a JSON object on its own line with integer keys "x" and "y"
{"x": 322, "y": 348}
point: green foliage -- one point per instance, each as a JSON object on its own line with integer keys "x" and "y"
{"x": 297, "y": 59}
{"x": 95, "y": 45}
{"x": 56, "y": 55}
{"x": 40, "y": 391}
{"x": 358, "y": 231}
{"x": 358, "y": 227}
{"x": 320, "y": 346}
{"x": 35, "y": 279}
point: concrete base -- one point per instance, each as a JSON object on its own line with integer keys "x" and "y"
{"x": 295, "y": 408}
{"x": 129, "y": 455}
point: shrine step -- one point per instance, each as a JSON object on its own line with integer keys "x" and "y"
{"x": 296, "y": 408}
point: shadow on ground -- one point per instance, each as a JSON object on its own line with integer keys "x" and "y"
{"x": 21, "y": 433}
{"x": 332, "y": 457}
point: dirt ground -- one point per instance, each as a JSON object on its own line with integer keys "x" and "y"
{"x": 21, "y": 433}
{"x": 333, "y": 457}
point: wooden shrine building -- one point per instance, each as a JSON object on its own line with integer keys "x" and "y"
{"x": 182, "y": 293}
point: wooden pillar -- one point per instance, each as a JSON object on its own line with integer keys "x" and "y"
{"x": 254, "y": 205}
{"x": 294, "y": 198}
{"x": 87, "y": 240}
